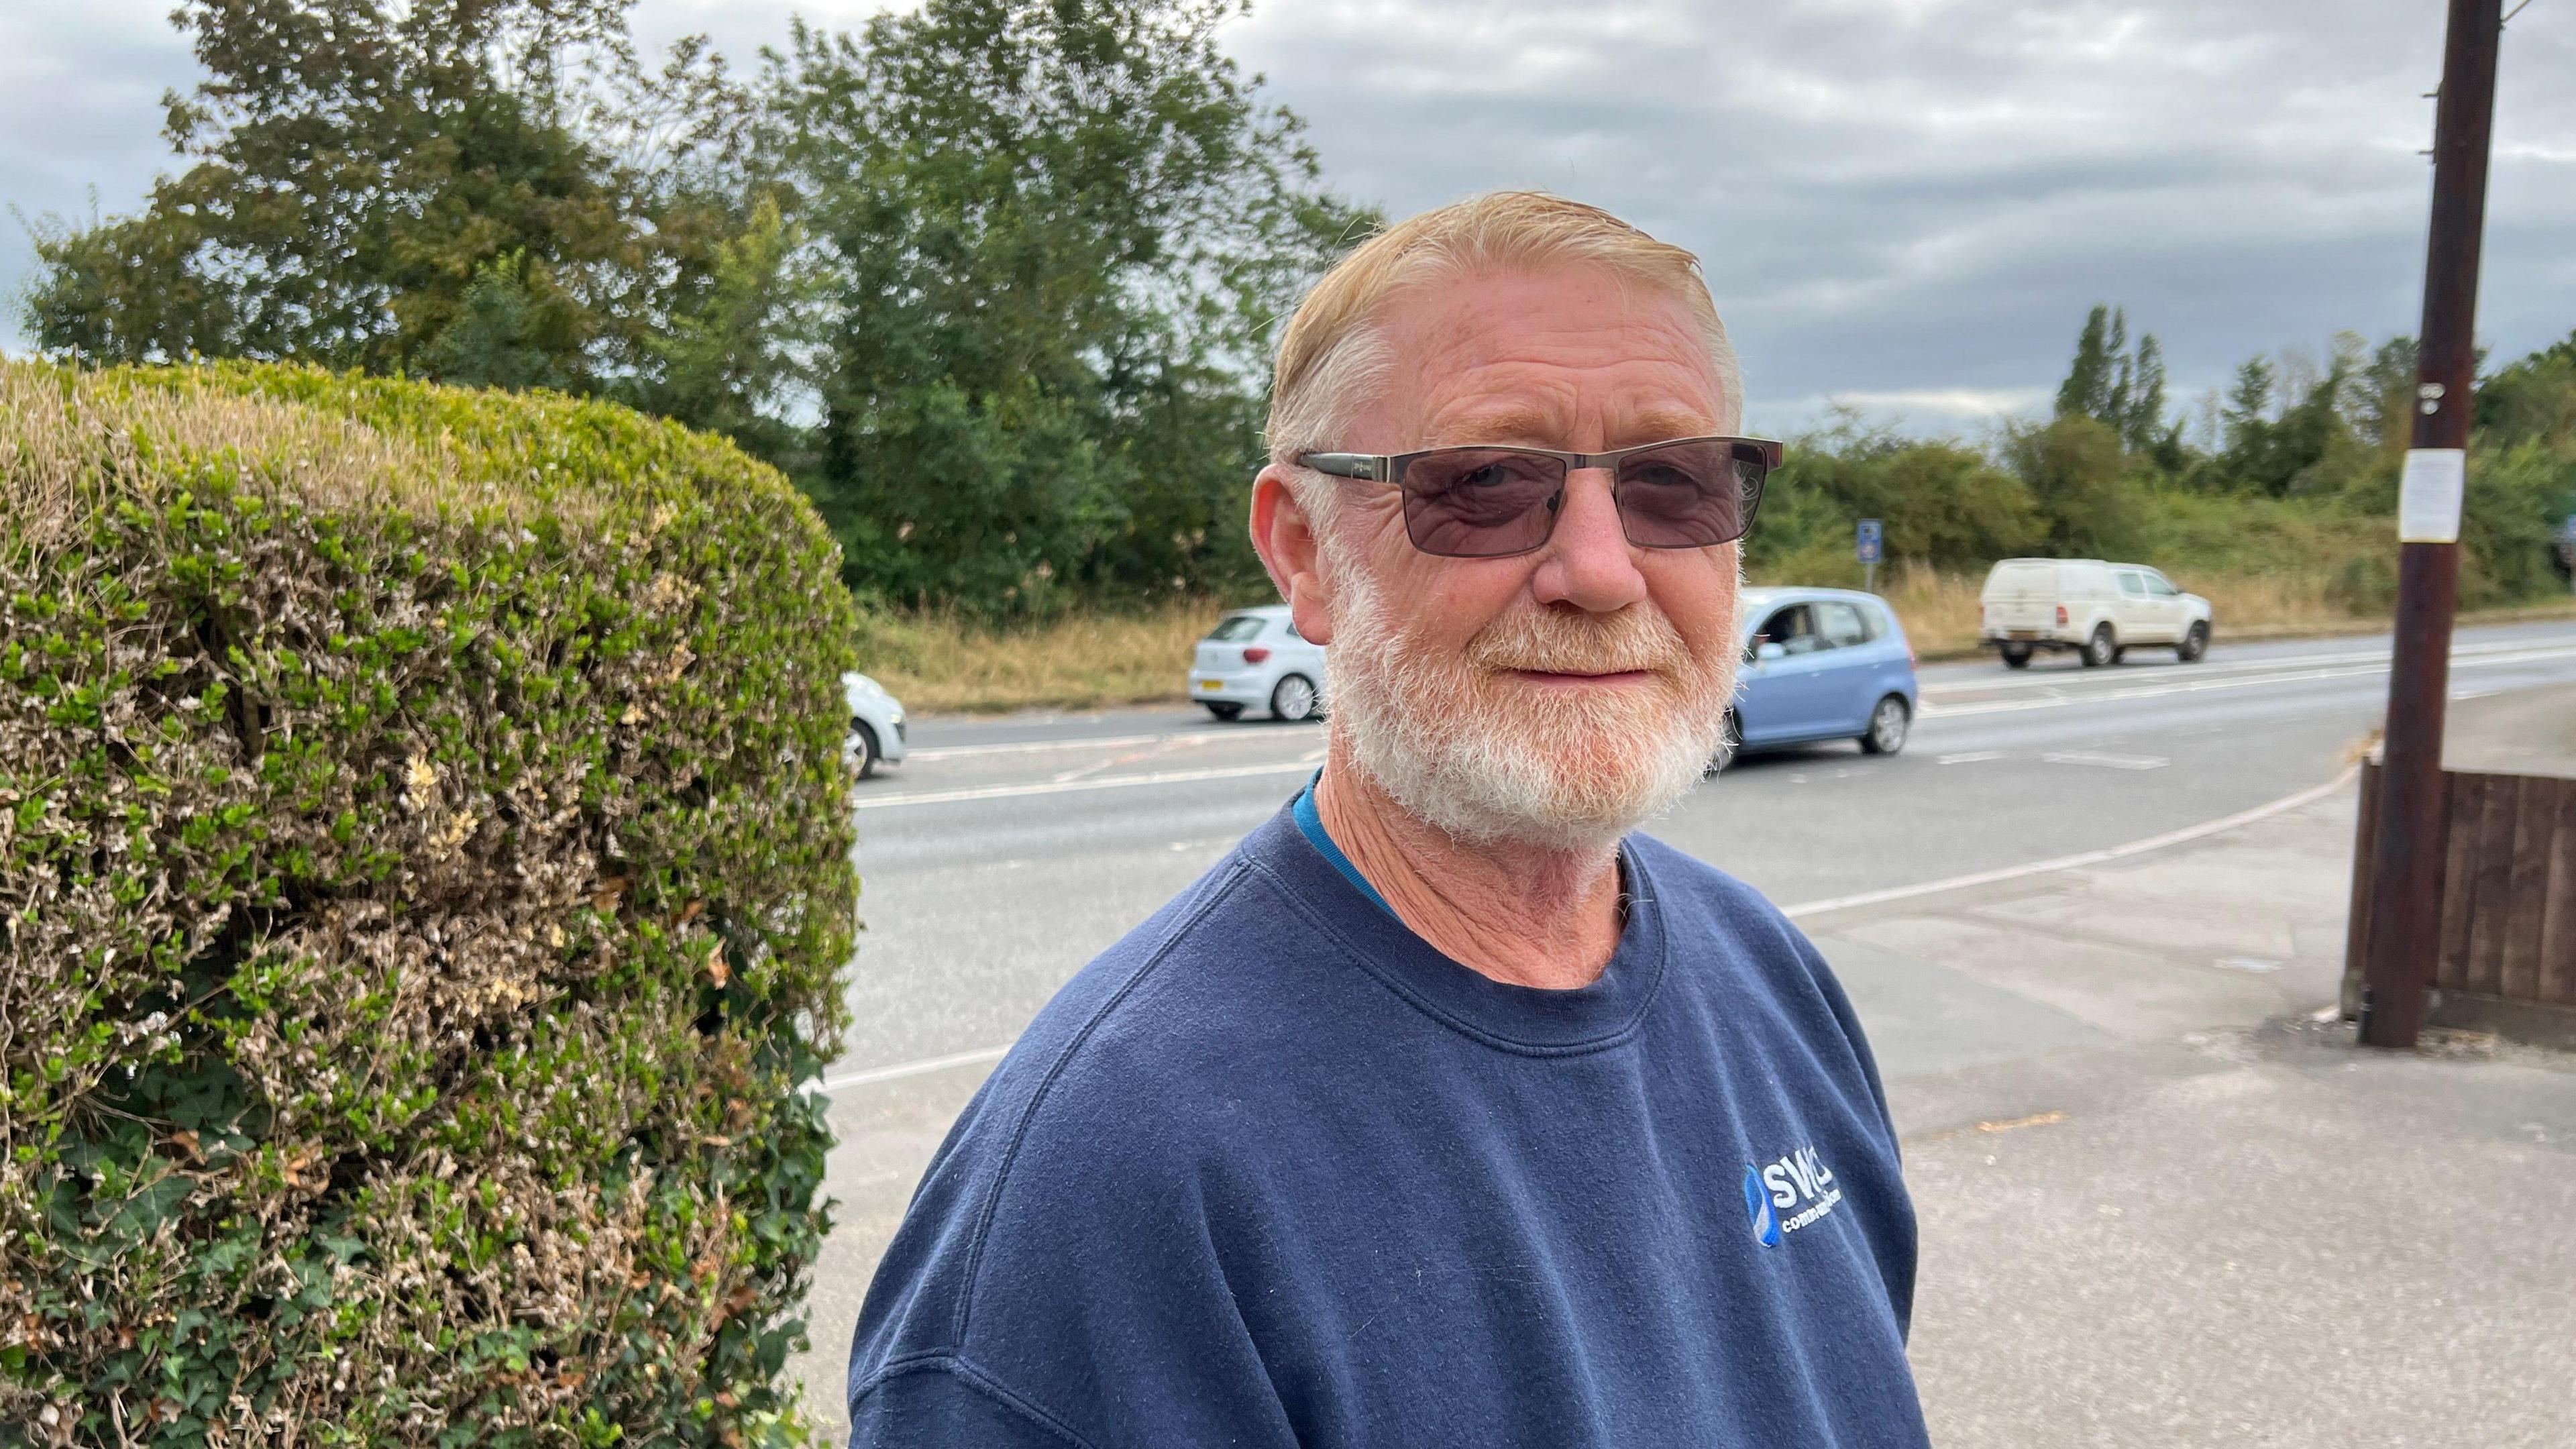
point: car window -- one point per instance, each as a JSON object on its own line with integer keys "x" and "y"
{"x": 1792, "y": 628}
{"x": 1841, "y": 625}
{"x": 1290, "y": 625}
{"x": 2162, "y": 587}
{"x": 2132, "y": 585}
{"x": 1235, "y": 628}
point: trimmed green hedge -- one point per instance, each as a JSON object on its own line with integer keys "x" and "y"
{"x": 424, "y": 870}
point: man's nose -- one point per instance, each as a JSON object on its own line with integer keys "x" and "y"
{"x": 1589, "y": 562}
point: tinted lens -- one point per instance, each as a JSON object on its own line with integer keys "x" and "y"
{"x": 1481, "y": 502}
{"x": 1690, "y": 495}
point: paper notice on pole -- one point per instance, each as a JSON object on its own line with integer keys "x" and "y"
{"x": 2428, "y": 495}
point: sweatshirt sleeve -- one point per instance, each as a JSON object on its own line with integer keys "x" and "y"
{"x": 948, "y": 1403}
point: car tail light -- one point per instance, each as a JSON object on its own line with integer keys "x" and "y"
{"x": 1255, "y": 654}
{"x": 2061, "y": 616}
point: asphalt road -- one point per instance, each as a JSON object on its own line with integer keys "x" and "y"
{"x": 1005, "y": 853}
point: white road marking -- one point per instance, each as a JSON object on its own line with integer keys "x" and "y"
{"x": 2081, "y": 858}
{"x": 1805, "y": 908}
{"x": 913, "y": 1069}
{"x": 2059, "y": 679}
{"x": 1164, "y": 746}
{"x": 1933, "y": 710}
{"x": 1084, "y": 742}
{"x": 1969, "y": 757}
{"x": 2107, "y": 762}
{"x": 1098, "y": 782}
{"x": 1031, "y": 747}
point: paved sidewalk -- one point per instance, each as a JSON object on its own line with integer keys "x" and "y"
{"x": 2162, "y": 1202}
{"x": 2528, "y": 732}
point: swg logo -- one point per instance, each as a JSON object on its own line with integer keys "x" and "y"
{"x": 1799, "y": 1180}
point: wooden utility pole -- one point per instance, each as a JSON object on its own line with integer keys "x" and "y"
{"x": 2405, "y": 867}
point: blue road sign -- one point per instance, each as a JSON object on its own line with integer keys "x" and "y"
{"x": 1867, "y": 540}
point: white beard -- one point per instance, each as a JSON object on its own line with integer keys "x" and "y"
{"x": 1460, "y": 746}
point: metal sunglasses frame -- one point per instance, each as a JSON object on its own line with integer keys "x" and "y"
{"x": 1390, "y": 468}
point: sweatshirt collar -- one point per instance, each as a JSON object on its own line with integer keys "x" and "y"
{"x": 1527, "y": 1019}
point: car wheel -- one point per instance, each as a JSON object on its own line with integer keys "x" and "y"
{"x": 1292, "y": 698}
{"x": 1223, "y": 711}
{"x": 2101, "y": 649}
{"x": 864, "y": 740}
{"x": 1730, "y": 739}
{"x": 1888, "y": 725}
{"x": 2016, "y": 656}
{"x": 2193, "y": 645}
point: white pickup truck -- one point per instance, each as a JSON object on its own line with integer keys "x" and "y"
{"x": 2099, "y": 610}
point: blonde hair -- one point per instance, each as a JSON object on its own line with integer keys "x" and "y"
{"x": 1330, "y": 354}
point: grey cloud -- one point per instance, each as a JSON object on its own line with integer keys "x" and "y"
{"x": 1898, "y": 198}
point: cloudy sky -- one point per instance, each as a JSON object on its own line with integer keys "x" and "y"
{"x": 1903, "y": 204}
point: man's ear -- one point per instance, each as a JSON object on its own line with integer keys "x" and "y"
{"x": 1286, "y": 540}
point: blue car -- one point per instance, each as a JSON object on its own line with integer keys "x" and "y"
{"x": 1820, "y": 664}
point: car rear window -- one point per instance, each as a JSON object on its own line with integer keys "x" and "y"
{"x": 1235, "y": 628}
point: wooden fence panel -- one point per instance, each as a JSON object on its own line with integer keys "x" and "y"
{"x": 2535, "y": 819}
{"x": 2491, "y": 905}
{"x": 2558, "y": 925}
{"x": 2507, "y": 888}
{"x": 2462, "y": 819}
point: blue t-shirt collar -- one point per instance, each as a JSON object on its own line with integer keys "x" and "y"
{"x": 1311, "y": 822}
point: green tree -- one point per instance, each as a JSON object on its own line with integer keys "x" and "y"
{"x": 2082, "y": 481}
{"x": 2087, "y": 388}
{"x": 1052, "y": 236}
{"x": 2533, "y": 398}
{"x": 1942, "y": 502}
{"x": 2120, "y": 386}
{"x": 494, "y": 191}
{"x": 2245, "y": 422}
{"x": 2142, "y": 424}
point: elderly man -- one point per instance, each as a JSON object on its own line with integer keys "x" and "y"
{"x": 1445, "y": 1111}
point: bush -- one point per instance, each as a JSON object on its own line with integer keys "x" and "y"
{"x": 423, "y": 873}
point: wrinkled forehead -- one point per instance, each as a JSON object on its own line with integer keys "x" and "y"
{"x": 1581, "y": 358}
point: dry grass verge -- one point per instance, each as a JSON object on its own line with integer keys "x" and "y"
{"x": 942, "y": 663}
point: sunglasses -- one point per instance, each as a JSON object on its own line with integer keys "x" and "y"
{"x": 1492, "y": 502}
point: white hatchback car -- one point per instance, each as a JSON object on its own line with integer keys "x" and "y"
{"x": 876, "y": 724}
{"x": 1256, "y": 658}
{"x": 2099, "y": 610}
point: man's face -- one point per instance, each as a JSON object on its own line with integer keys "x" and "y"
{"x": 1557, "y": 697}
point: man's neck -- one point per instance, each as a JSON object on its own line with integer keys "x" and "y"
{"x": 1520, "y": 914}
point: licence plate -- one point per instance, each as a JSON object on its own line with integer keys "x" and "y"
{"x": 2022, "y": 634}
{"x": 1211, "y": 684}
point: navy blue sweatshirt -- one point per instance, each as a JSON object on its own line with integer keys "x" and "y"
{"x": 1272, "y": 1171}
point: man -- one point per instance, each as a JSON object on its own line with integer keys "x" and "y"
{"x": 1444, "y": 1110}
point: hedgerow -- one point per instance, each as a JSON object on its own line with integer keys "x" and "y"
{"x": 424, "y": 868}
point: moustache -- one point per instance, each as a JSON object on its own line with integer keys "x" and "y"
{"x": 1630, "y": 641}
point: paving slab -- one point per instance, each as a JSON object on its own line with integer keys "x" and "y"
{"x": 2314, "y": 1245}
